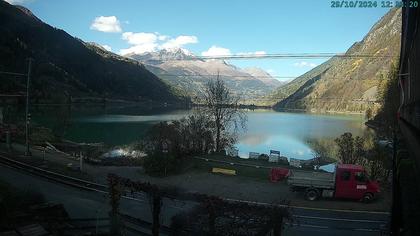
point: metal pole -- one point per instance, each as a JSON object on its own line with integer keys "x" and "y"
{"x": 395, "y": 208}
{"x": 28, "y": 152}
{"x": 81, "y": 161}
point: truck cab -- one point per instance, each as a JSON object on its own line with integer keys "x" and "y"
{"x": 348, "y": 181}
{"x": 352, "y": 182}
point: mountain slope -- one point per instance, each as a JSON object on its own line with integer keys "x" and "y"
{"x": 263, "y": 76}
{"x": 188, "y": 73}
{"x": 348, "y": 84}
{"x": 66, "y": 65}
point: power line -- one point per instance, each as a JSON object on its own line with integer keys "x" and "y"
{"x": 244, "y": 76}
{"x": 12, "y": 95}
{"x": 233, "y": 76}
{"x": 281, "y": 56}
{"x": 326, "y": 98}
{"x": 12, "y": 73}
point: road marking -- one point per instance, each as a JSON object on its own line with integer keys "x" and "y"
{"x": 367, "y": 230}
{"x": 340, "y": 219}
{"x": 305, "y": 225}
{"x": 327, "y": 227}
{"x": 341, "y": 210}
{"x": 308, "y": 208}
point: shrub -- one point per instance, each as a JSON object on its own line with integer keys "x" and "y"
{"x": 160, "y": 164}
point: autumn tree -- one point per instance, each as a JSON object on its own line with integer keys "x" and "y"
{"x": 373, "y": 157}
{"x": 345, "y": 145}
{"x": 389, "y": 96}
{"x": 221, "y": 107}
{"x": 369, "y": 113}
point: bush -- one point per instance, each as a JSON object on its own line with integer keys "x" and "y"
{"x": 12, "y": 200}
{"x": 160, "y": 164}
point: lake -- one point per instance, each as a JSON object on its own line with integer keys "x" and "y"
{"x": 286, "y": 132}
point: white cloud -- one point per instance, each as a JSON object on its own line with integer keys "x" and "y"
{"x": 108, "y": 24}
{"x": 107, "y": 47}
{"x": 216, "y": 51}
{"x": 304, "y": 64}
{"x": 149, "y": 42}
{"x": 179, "y": 41}
{"x": 139, "y": 38}
{"x": 163, "y": 37}
{"x": 139, "y": 49}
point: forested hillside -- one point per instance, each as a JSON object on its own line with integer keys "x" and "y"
{"x": 65, "y": 65}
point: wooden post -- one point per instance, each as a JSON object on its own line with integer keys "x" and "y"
{"x": 8, "y": 142}
{"x": 157, "y": 204}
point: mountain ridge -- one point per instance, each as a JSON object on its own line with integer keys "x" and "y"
{"x": 189, "y": 73}
{"x": 348, "y": 84}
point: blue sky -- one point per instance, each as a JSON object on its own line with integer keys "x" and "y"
{"x": 224, "y": 27}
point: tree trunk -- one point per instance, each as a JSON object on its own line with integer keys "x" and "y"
{"x": 218, "y": 128}
{"x": 212, "y": 219}
{"x": 277, "y": 225}
{"x": 218, "y": 140}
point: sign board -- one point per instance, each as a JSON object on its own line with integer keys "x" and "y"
{"x": 274, "y": 152}
{"x": 253, "y": 155}
{"x": 361, "y": 186}
{"x": 223, "y": 171}
{"x": 295, "y": 162}
{"x": 165, "y": 147}
{"x": 273, "y": 158}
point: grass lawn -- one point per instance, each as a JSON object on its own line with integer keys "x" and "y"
{"x": 246, "y": 171}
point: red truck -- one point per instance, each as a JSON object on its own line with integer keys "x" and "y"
{"x": 347, "y": 181}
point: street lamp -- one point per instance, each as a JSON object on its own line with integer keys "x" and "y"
{"x": 28, "y": 116}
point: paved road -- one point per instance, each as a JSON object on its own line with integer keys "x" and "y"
{"x": 89, "y": 204}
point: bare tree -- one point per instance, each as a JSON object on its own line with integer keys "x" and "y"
{"x": 222, "y": 109}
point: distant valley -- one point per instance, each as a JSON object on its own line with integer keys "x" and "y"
{"x": 189, "y": 74}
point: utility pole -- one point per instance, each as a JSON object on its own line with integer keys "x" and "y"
{"x": 28, "y": 152}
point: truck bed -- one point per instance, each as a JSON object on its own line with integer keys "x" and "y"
{"x": 313, "y": 179}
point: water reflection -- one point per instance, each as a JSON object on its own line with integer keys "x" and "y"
{"x": 266, "y": 130}
{"x": 289, "y": 132}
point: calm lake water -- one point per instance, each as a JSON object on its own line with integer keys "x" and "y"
{"x": 266, "y": 129}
